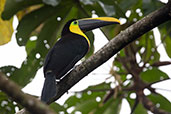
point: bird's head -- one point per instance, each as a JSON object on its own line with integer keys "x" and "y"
{"x": 81, "y": 26}
{"x": 87, "y": 24}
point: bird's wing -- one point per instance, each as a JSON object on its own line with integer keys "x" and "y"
{"x": 69, "y": 66}
{"x": 47, "y": 59}
{"x": 61, "y": 63}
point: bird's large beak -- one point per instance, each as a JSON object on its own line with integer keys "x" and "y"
{"x": 88, "y": 24}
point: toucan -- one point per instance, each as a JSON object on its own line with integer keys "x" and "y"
{"x": 68, "y": 50}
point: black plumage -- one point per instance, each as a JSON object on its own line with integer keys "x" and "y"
{"x": 61, "y": 58}
{"x": 68, "y": 50}
{"x": 65, "y": 54}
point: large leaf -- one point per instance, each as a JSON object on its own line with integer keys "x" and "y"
{"x": 160, "y": 101}
{"x": 6, "y": 28}
{"x": 27, "y": 10}
{"x": 27, "y": 25}
{"x": 13, "y": 6}
{"x": 153, "y": 75}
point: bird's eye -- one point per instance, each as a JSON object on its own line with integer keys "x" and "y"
{"x": 75, "y": 22}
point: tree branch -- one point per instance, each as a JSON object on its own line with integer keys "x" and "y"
{"x": 116, "y": 44}
{"x": 161, "y": 63}
{"x": 32, "y": 104}
{"x": 149, "y": 104}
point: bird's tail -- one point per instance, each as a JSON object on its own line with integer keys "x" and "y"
{"x": 49, "y": 89}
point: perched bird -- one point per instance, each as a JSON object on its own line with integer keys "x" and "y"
{"x": 68, "y": 50}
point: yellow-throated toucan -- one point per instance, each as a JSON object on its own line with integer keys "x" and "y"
{"x": 68, "y": 50}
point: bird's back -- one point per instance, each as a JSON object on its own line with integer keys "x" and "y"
{"x": 65, "y": 54}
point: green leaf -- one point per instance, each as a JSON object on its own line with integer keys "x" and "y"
{"x": 111, "y": 107}
{"x": 167, "y": 45}
{"x": 118, "y": 10}
{"x": 47, "y": 36}
{"x": 153, "y": 75}
{"x": 88, "y": 94}
{"x": 7, "y": 106}
{"x": 151, "y": 5}
{"x": 30, "y": 46}
{"x": 88, "y": 9}
{"x": 139, "y": 109}
{"x": 160, "y": 101}
{"x": 13, "y": 6}
{"x": 111, "y": 31}
{"x": 86, "y": 106}
{"x": 134, "y": 14}
{"x": 108, "y": 9}
{"x": 90, "y": 36}
{"x": 107, "y": 2}
{"x": 57, "y": 108}
{"x": 120, "y": 67}
{"x": 27, "y": 72}
{"x": 150, "y": 54}
{"x": 100, "y": 86}
{"x": 52, "y": 29}
{"x": 75, "y": 100}
{"x": 27, "y": 25}
{"x": 8, "y": 70}
{"x": 6, "y": 28}
{"x": 66, "y": 15}
{"x": 85, "y": 102}
{"x": 165, "y": 32}
{"x": 125, "y": 5}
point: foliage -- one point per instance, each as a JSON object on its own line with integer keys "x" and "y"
{"x": 44, "y": 20}
{"x": 6, "y": 27}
